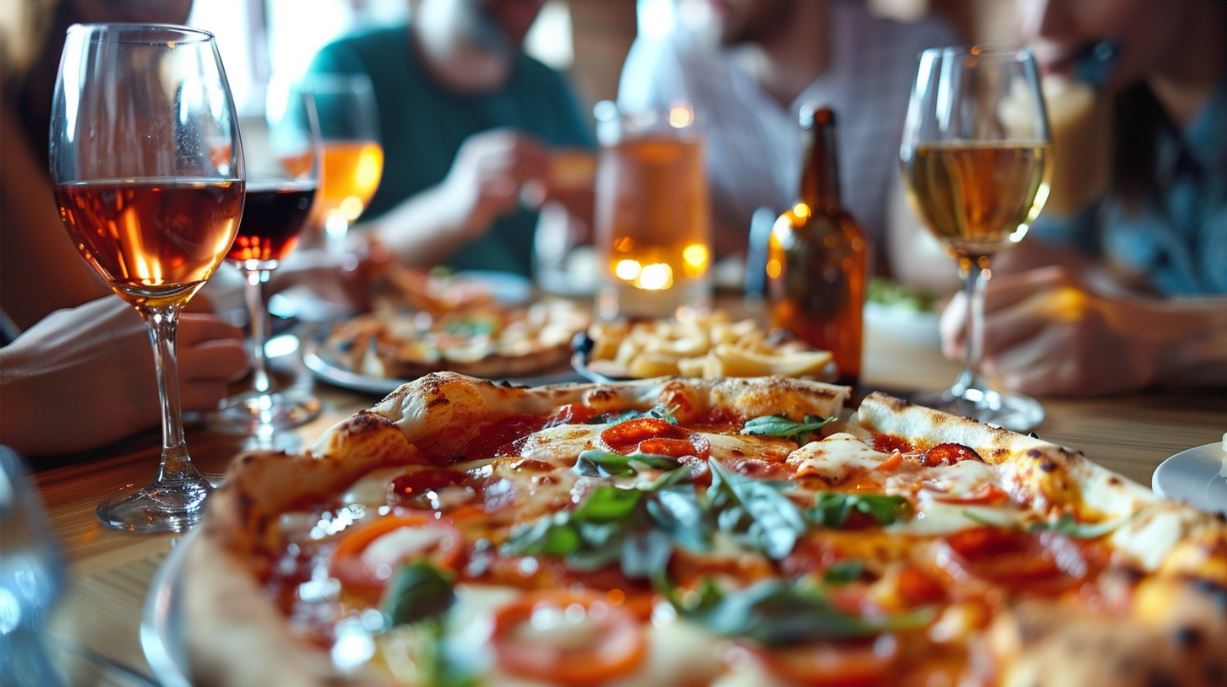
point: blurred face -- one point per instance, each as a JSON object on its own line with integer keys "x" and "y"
{"x": 750, "y": 21}
{"x": 510, "y": 18}
{"x": 1145, "y": 31}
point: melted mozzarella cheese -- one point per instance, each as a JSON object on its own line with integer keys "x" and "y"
{"x": 677, "y": 653}
{"x": 388, "y": 550}
{"x": 835, "y": 457}
{"x": 934, "y": 517}
{"x": 372, "y": 489}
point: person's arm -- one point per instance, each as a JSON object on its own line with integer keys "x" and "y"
{"x": 40, "y": 270}
{"x": 484, "y": 183}
{"x": 90, "y": 370}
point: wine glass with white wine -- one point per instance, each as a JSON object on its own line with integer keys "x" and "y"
{"x": 977, "y": 159}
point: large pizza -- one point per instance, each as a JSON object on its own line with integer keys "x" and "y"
{"x": 727, "y": 532}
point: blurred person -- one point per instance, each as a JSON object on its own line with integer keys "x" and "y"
{"x": 748, "y": 67}
{"x": 469, "y": 124}
{"x": 1133, "y": 292}
{"x": 82, "y": 377}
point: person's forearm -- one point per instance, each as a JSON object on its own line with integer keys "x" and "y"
{"x": 1194, "y": 349}
{"x": 423, "y": 230}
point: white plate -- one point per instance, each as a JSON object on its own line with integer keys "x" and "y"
{"x": 328, "y": 371}
{"x": 904, "y": 323}
{"x": 1197, "y": 476}
{"x": 161, "y": 624}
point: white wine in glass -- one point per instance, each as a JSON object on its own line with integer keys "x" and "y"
{"x": 148, "y": 172}
{"x": 977, "y": 160}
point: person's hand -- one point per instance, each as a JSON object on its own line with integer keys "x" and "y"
{"x": 487, "y": 175}
{"x": 84, "y": 376}
{"x": 1046, "y": 332}
{"x": 342, "y": 278}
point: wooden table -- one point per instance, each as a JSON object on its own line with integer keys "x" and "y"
{"x": 110, "y": 572}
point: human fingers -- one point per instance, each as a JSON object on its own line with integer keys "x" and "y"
{"x": 223, "y": 361}
{"x": 203, "y": 395}
{"x": 1007, "y": 290}
{"x": 1006, "y": 328}
{"x": 197, "y": 327}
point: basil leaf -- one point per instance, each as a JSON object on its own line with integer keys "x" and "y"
{"x": 439, "y": 666}
{"x": 781, "y": 426}
{"x": 844, "y": 572}
{"x": 1069, "y": 526}
{"x": 418, "y": 591}
{"x": 597, "y": 463}
{"x": 634, "y": 527}
{"x": 608, "y": 504}
{"x": 787, "y": 612}
{"x": 756, "y": 512}
{"x": 831, "y": 509}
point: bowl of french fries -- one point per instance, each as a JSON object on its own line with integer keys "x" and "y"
{"x": 707, "y": 345}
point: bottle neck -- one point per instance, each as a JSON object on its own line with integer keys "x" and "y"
{"x": 820, "y": 175}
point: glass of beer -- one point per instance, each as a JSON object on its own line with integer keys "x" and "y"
{"x": 653, "y": 229}
{"x": 283, "y": 154}
{"x": 976, "y": 157}
{"x": 148, "y": 173}
{"x": 352, "y": 153}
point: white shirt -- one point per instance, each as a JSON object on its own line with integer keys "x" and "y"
{"x": 755, "y": 145}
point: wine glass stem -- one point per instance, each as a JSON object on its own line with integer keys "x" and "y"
{"x": 163, "y": 326}
{"x": 258, "y": 314}
{"x": 976, "y": 273}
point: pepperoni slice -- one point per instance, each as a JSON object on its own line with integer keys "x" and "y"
{"x": 949, "y": 454}
{"x": 654, "y": 436}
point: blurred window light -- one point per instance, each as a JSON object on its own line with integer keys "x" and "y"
{"x": 656, "y": 18}
{"x": 549, "y": 40}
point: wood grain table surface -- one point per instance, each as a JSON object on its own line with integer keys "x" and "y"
{"x": 110, "y": 572}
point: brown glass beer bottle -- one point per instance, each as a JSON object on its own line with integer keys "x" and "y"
{"x": 817, "y": 257}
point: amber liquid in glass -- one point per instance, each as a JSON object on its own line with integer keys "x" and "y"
{"x": 273, "y": 219}
{"x": 349, "y": 176}
{"x": 154, "y": 241}
{"x": 653, "y": 227}
{"x": 817, "y": 260}
{"x": 978, "y": 198}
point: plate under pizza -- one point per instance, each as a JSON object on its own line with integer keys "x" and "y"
{"x": 693, "y": 532}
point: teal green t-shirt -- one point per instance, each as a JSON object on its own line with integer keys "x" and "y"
{"x": 422, "y": 125}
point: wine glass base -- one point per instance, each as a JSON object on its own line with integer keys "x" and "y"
{"x": 253, "y": 412}
{"x": 1010, "y": 411}
{"x": 167, "y": 506}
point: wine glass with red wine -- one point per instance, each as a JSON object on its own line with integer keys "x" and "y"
{"x": 283, "y": 155}
{"x": 148, "y": 172}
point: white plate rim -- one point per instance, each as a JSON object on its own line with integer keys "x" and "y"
{"x": 160, "y": 619}
{"x": 1210, "y": 453}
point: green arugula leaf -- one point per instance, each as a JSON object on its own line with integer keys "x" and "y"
{"x": 598, "y": 463}
{"x": 636, "y": 527}
{"x": 470, "y": 327}
{"x": 755, "y": 512}
{"x": 785, "y": 612}
{"x": 781, "y": 426}
{"x": 844, "y": 572}
{"x": 1069, "y": 526}
{"x": 831, "y": 509}
{"x": 418, "y": 591}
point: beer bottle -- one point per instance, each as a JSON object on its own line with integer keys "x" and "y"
{"x": 817, "y": 259}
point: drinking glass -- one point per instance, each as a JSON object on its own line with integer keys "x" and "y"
{"x": 976, "y": 158}
{"x": 653, "y": 229}
{"x": 282, "y": 151}
{"x": 352, "y": 153}
{"x": 148, "y": 172}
